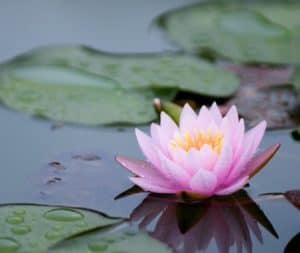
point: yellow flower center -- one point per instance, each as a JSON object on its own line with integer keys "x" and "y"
{"x": 197, "y": 139}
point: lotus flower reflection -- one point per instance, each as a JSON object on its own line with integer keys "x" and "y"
{"x": 206, "y": 155}
{"x": 234, "y": 220}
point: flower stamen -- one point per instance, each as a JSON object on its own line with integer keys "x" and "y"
{"x": 197, "y": 139}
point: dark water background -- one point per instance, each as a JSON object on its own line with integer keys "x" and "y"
{"x": 28, "y": 145}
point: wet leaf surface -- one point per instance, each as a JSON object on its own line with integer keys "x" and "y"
{"x": 80, "y": 85}
{"x": 115, "y": 239}
{"x": 33, "y": 228}
{"x": 248, "y": 31}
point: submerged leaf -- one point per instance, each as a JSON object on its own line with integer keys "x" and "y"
{"x": 245, "y": 31}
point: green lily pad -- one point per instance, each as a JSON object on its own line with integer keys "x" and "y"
{"x": 33, "y": 228}
{"x": 164, "y": 70}
{"x": 121, "y": 239}
{"x": 67, "y": 95}
{"x": 81, "y": 85}
{"x": 28, "y": 228}
{"x": 244, "y": 31}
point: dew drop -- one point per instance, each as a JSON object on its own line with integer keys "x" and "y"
{"x": 20, "y": 212}
{"x": 14, "y": 220}
{"x": 63, "y": 214}
{"x": 21, "y": 230}
{"x": 57, "y": 228}
{"x": 98, "y": 246}
{"x": 53, "y": 235}
{"x": 82, "y": 224}
{"x": 8, "y": 245}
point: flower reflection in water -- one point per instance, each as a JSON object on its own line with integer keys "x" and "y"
{"x": 231, "y": 220}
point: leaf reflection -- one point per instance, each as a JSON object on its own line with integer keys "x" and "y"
{"x": 190, "y": 227}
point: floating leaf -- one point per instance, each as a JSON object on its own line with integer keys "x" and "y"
{"x": 33, "y": 228}
{"x": 245, "y": 31}
{"x": 111, "y": 239}
{"x": 166, "y": 70}
{"x": 62, "y": 94}
{"x": 81, "y": 85}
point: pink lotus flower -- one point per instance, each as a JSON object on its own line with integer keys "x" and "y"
{"x": 206, "y": 155}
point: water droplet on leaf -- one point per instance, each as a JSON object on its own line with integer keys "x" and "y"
{"x": 8, "y": 245}
{"x": 63, "y": 214}
{"x": 14, "y": 220}
{"x": 20, "y": 212}
{"x": 21, "y": 230}
{"x": 53, "y": 235}
{"x": 98, "y": 246}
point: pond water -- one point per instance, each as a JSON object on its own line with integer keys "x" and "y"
{"x": 74, "y": 165}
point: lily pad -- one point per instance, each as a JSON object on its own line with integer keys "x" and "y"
{"x": 67, "y": 95}
{"x": 33, "y": 228}
{"x": 122, "y": 238}
{"x": 244, "y": 31}
{"x": 81, "y": 85}
{"x": 165, "y": 70}
{"x": 265, "y": 93}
